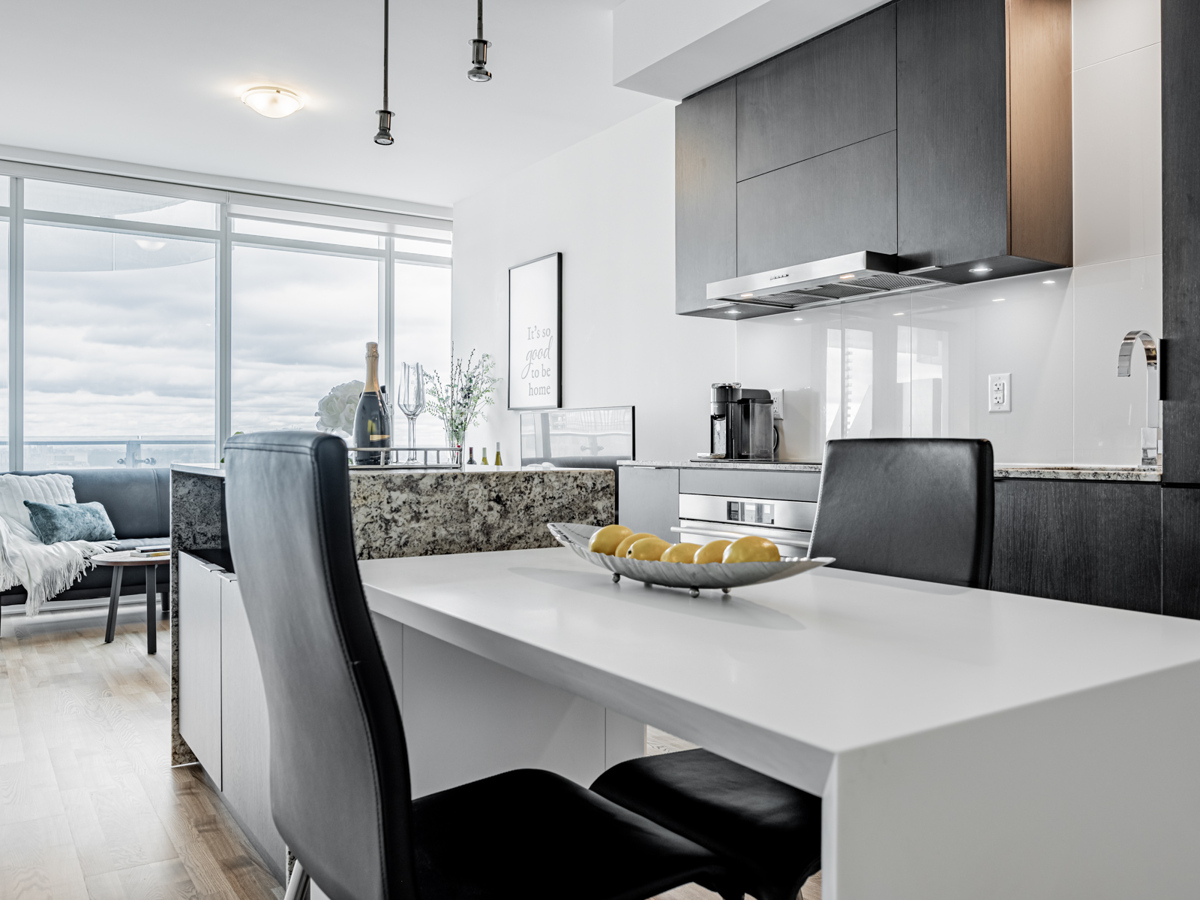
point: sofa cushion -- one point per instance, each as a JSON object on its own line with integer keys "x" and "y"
{"x": 16, "y": 489}
{"x": 56, "y": 522}
{"x": 138, "y": 501}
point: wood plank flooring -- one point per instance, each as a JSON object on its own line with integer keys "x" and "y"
{"x": 89, "y": 805}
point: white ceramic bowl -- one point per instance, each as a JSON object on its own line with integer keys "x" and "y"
{"x": 722, "y": 576}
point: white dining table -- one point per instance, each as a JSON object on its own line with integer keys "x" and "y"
{"x": 967, "y": 743}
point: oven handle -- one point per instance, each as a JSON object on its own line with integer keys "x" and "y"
{"x": 709, "y": 532}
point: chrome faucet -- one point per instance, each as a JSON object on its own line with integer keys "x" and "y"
{"x": 1151, "y": 437}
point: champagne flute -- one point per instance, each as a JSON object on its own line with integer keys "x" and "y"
{"x": 411, "y": 401}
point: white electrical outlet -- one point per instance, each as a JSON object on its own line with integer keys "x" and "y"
{"x": 1000, "y": 392}
{"x": 777, "y": 403}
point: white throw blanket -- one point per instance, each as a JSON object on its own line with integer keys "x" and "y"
{"x": 44, "y": 570}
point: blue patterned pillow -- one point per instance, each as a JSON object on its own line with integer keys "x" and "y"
{"x": 54, "y": 522}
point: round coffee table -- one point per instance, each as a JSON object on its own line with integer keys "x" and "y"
{"x": 120, "y": 560}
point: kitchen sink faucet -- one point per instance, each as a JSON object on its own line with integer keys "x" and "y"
{"x": 1150, "y": 434}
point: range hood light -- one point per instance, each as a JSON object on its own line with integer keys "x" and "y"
{"x": 847, "y": 276}
{"x": 1049, "y": 281}
{"x": 980, "y": 270}
{"x": 747, "y": 296}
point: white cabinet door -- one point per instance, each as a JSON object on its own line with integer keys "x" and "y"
{"x": 246, "y": 739}
{"x": 200, "y": 662}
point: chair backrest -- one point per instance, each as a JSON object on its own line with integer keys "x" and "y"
{"x": 340, "y": 791}
{"x": 911, "y": 507}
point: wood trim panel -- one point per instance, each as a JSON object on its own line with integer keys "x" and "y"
{"x": 1039, "y": 130}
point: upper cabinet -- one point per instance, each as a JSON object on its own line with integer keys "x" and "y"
{"x": 984, "y": 135}
{"x": 938, "y": 130}
{"x": 821, "y": 96}
{"x": 705, "y": 193}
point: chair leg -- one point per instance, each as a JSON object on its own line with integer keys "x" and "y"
{"x": 297, "y": 883}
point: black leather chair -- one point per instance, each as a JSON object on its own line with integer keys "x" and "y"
{"x": 912, "y": 508}
{"x": 340, "y": 790}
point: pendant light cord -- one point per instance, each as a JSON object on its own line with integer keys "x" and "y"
{"x": 386, "y": 31}
{"x": 481, "y": 20}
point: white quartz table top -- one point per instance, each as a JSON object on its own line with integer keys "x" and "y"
{"x": 828, "y": 661}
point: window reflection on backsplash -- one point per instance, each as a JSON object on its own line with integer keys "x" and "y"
{"x": 917, "y": 365}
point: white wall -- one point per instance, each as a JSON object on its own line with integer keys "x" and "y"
{"x": 918, "y": 365}
{"x": 913, "y": 365}
{"x": 608, "y": 204}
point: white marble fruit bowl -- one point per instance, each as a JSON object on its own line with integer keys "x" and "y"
{"x": 695, "y": 578}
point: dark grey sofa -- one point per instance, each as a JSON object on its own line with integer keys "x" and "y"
{"x": 139, "y": 503}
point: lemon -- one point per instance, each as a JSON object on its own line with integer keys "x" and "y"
{"x": 647, "y": 548}
{"x": 681, "y": 553}
{"x": 751, "y": 549}
{"x": 623, "y": 547}
{"x": 606, "y": 539}
{"x": 711, "y": 552}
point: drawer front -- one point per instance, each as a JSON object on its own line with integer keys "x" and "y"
{"x": 743, "y": 483}
{"x": 791, "y": 543}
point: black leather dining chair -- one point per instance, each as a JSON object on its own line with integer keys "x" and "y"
{"x": 339, "y": 783}
{"x": 909, "y": 507}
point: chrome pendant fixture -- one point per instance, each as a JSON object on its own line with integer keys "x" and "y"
{"x": 479, "y": 48}
{"x": 384, "y": 135}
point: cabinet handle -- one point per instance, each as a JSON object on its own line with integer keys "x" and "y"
{"x": 709, "y": 532}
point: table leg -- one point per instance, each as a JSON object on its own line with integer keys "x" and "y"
{"x": 114, "y": 597}
{"x": 151, "y": 623}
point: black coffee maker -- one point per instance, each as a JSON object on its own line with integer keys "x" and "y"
{"x": 741, "y": 424}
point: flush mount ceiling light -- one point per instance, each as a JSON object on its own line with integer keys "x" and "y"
{"x": 383, "y": 136}
{"x": 272, "y": 102}
{"x": 479, "y": 47}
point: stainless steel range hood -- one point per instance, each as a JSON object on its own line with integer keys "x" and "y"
{"x": 839, "y": 279}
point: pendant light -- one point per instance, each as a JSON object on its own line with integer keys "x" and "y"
{"x": 384, "y": 135}
{"x": 478, "y": 71}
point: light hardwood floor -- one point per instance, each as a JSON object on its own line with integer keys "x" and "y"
{"x": 89, "y": 806}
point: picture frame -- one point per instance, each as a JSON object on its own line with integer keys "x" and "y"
{"x": 535, "y": 333}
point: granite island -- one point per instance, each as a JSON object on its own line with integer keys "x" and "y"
{"x": 398, "y": 512}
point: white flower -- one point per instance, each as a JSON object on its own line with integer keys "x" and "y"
{"x": 335, "y": 411}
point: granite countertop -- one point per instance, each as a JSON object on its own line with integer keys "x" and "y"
{"x": 1023, "y": 470}
{"x": 219, "y": 471}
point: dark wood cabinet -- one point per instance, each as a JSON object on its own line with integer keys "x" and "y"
{"x": 705, "y": 194}
{"x": 1181, "y": 551}
{"x": 984, "y": 136}
{"x": 1181, "y": 242}
{"x": 819, "y": 96}
{"x": 836, "y": 203}
{"x": 1089, "y": 542}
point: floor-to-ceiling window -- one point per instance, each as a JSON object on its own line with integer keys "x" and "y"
{"x": 118, "y": 329}
{"x": 154, "y": 320}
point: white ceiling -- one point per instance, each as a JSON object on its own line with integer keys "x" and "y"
{"x": 157, "y": 83}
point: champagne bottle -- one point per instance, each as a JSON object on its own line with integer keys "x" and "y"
{"x": 372, "y": 424}
{"x": 483, "y": 457}
{"x": 498, "y": 454}
{"x": 471, "y": 456}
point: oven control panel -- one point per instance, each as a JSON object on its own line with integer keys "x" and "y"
{"x": 753, "y": 512}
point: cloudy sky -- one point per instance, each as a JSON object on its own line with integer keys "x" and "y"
{"x": 119, "y": 332}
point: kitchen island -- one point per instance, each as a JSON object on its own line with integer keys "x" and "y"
{"x": 396, "y": 513}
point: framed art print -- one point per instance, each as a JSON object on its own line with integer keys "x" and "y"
{"x": 535, "y": 334}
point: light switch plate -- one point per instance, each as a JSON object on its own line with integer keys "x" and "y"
{"x": 777, "y": 403}
{"x": 1000, "y": 392}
